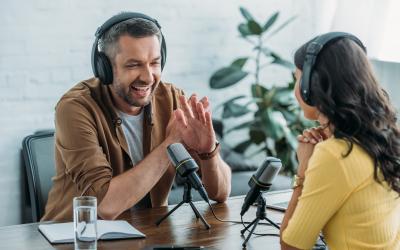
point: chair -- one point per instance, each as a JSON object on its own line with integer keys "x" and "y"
{"x": 38, "y": 154}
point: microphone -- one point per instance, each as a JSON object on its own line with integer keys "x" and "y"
{"x": 261, "y": 181}
{"x": 186, "y": 166}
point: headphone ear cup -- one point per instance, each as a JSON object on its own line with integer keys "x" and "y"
{"x": 163, "y": 52}
{"x": 304, "y": 93}
{"x": 305, "y": 81}
{"x": 301, "y": 87}
{"x": 104, "y": 69}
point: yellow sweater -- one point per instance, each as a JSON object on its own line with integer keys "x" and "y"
{"x": 341, "y": 198}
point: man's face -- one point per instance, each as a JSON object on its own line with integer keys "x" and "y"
{"x": 136, "y": 70}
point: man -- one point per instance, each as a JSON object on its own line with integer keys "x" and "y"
{"x": 111, "y": 139}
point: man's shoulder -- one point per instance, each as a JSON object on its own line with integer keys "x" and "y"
{"x": 80, "y": 91}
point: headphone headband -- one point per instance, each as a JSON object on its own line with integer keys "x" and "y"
{"x": 101, "y": 65}
{"x": 313, "y": 49}
{"x": 120, "y": 18}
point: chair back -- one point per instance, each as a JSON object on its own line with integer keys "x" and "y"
{"x": 38, "y": 154}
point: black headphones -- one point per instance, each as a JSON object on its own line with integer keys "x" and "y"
{"x": 101, "y": 65}
{"x": 312, "y": 51}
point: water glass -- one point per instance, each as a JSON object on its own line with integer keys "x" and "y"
{"x": 85, "y": 222}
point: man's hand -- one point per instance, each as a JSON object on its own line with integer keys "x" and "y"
{"x": 174, "y": 127}
{"x": 193, "y": 126}
{"x": 197, "y": 132}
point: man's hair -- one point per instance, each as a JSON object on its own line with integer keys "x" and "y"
{"x": 135, "y": 27}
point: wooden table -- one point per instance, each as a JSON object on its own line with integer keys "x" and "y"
{"x": 181, "y": 228}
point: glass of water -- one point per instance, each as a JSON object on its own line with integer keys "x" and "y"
{"x": 85, "y": 222}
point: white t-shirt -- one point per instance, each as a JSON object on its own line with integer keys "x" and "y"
{"x": 132, "y": 126}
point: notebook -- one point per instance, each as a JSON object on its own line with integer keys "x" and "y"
{"x": 281, "y": 206}
{"x": 106, "y": 230}
{"x": 279, "y": 202}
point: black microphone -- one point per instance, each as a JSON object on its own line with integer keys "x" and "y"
{"x": 261, "y": 181}
{"x": 186, "y": 166}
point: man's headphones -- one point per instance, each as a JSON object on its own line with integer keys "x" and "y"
{"x": 312, "y": 51}
{"x": 101, "y": 64}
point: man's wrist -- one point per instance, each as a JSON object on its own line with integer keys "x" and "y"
{"x": 209, "y": 155}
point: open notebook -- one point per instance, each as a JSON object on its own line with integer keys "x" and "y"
{"x": 106, "y": 230}
{"x": 279, "y": 202}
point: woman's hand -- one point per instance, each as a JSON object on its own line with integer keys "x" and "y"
{"x": 307, "y": 142}
{"x": 314, "y": 135}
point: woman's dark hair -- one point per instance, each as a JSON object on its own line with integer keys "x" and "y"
{"x": 344, "y": 89}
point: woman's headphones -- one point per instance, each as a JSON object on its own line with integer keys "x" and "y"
{"x": 101, "y": 65}
{"x": 312, "y": 51}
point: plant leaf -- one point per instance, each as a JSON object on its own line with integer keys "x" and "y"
{"x": 268, "y": 97}
{"x": 232, "y": 109}
{"x": 266, "y": 51}
{"x": 258, "y": 90}
{"x": 270, "y": 21}
{"x": 268, "y": 152}
{"x": 242, "y": 147}
{"x": 283, "y": 97}
{"x": 276, "y": 58}
{"x": 254, "y": 27}
{"x": 226, "y": 77}
{"x": 274, "y": 123}
{"x": 240, "y": 62}
{"x": 240, "y": 126}
{"x": 290, "y": 138}
{"x": 293, "y": 163}
{"x": 244, "y": 29}
{"x": 283, "y": 25}
{"x": 283, "y": 62}
{"x": 246, "y": 14}
{"x": 289, "y": 116}
{"x": 257, "y": 136}
{"x": 292, "y": 83}
{"x": 283, "y": 152}
{"x": 234, "y": 99}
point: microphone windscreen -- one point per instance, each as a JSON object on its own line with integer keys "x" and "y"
{"x": 177, "y": 153}
{"x": 267, "y": 172}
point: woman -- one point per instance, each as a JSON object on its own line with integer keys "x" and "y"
{"x": 348, "y": 179}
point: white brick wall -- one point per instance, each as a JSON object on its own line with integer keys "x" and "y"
{"x": 45, "y": 49}
{"x": 388, "y": 74}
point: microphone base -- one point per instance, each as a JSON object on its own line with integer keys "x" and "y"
{"x": 187, "y": 198}
{"x": 260, "y": 215}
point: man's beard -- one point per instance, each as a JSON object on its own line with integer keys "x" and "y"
{"x": 127, "y": 96}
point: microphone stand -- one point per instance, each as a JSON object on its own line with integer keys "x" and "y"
{"x": 187, "y": 198}
{"x": 260, "y": 215}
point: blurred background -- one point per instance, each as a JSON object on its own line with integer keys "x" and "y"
{"x": 240, "y": 58}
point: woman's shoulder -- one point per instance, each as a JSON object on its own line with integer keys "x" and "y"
{"x": 332, "y": 146}
{"x": 335, "y": 153}
{"x": 340, "y": 147}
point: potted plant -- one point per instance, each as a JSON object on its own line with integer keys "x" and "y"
{"x": 276, "y": 116}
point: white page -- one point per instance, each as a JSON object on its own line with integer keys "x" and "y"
{"x": 64, "y": 232}
{"x": 116, "y": 229}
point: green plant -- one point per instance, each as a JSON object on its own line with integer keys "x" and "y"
{"x": 277, "y": 117}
